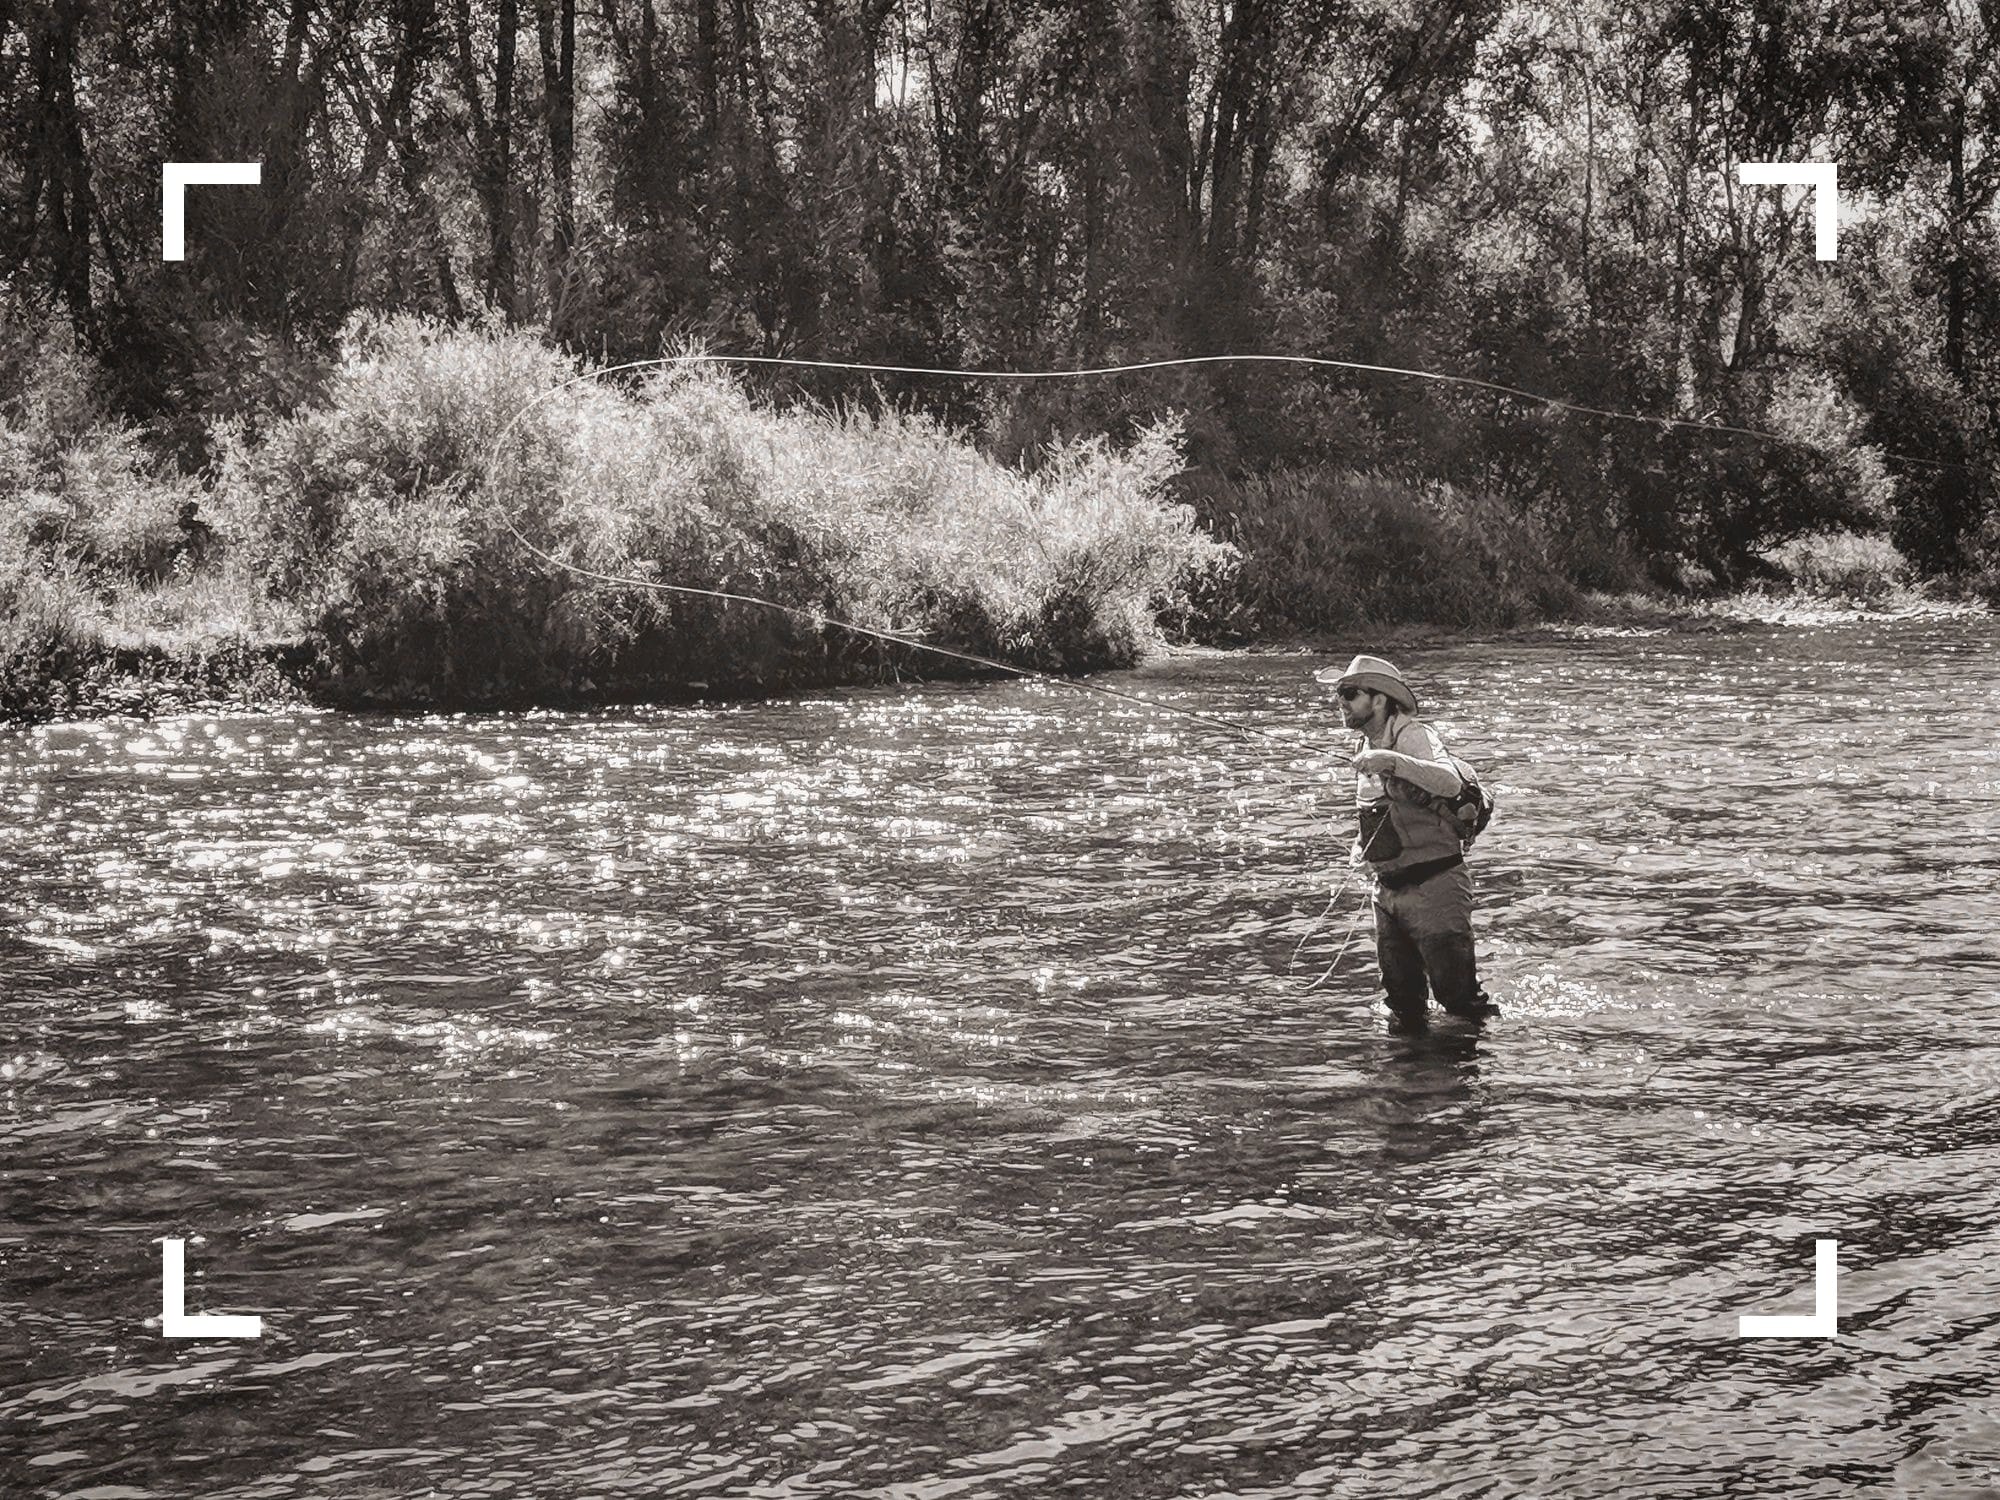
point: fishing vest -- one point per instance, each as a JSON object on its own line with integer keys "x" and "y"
{"x": 1401, "y": 827}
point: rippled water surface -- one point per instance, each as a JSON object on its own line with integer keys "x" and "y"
{"x": 913, "y": 1093}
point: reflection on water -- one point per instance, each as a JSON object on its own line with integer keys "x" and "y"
{"x": 905, "y": 1093}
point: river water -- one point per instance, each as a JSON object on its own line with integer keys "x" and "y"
{"x": 915, "y": 1093}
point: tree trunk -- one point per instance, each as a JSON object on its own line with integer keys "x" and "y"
{"x": 1263, "y": 149}
{"x": 555, "y": 27}
{"x": 707, "y": 67}
{"x": 500, "y": 287}
{"x": 1956, "y": 281}
{"x": 287, "y": 176}
{"x": 1235, "y": 85}
{"x": 1683, "y": 381}
{"x": 56, "y": 180}
{"x": 754, "y": 74}
{"x": 493, "y": 141}
{"x": 413, "y": 165}
{"x": 1589, "y": 160}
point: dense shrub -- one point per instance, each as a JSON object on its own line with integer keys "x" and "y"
{"x": 1938, "y": 432}
{"x": 85, "y": 513}
{"x": 1983, "y": 570}
{"x": 45, "y": 639}
{"x": 75, "y": 483}
{"x": 393, "y": 514}
{"x": 1326, "y": 549}
{"x": 1846, "y": 565}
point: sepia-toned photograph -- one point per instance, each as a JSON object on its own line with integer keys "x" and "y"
{"x": 982, "y": 749}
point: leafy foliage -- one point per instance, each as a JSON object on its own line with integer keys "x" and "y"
{"x": 1535, "y": 195}
{"x": 393, "y": 515}
{"x": 1331, "y": 549}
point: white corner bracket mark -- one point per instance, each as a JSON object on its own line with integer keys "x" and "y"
{"x": 1821, "y": 177}
{"x": 176, "y": 177}
{"x": 1824, "y": 1322}
{"x": 174, "y": 1321}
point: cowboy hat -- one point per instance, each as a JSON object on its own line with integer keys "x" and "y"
{"x": 1374, "y": 674}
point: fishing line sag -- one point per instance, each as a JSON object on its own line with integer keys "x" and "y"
{"x": 821, "y": 620}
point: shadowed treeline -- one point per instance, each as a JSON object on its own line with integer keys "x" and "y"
{"x": 1542, "y": 195}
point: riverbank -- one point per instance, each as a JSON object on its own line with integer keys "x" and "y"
{"x": 456, "y": 520}
{"x": 236, "y": 675}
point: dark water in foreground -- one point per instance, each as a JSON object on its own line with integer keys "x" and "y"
{"x": 902, "y": 1093}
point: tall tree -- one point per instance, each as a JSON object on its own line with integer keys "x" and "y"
{"x": 555, "y": 30}
{"x": 493, "y": 141}
{"x": 57, "y": 203}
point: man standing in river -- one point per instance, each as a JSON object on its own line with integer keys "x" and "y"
{"x": 1423, "y": 892}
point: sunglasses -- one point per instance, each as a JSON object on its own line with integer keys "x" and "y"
{"x": 1349, "y": 694}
